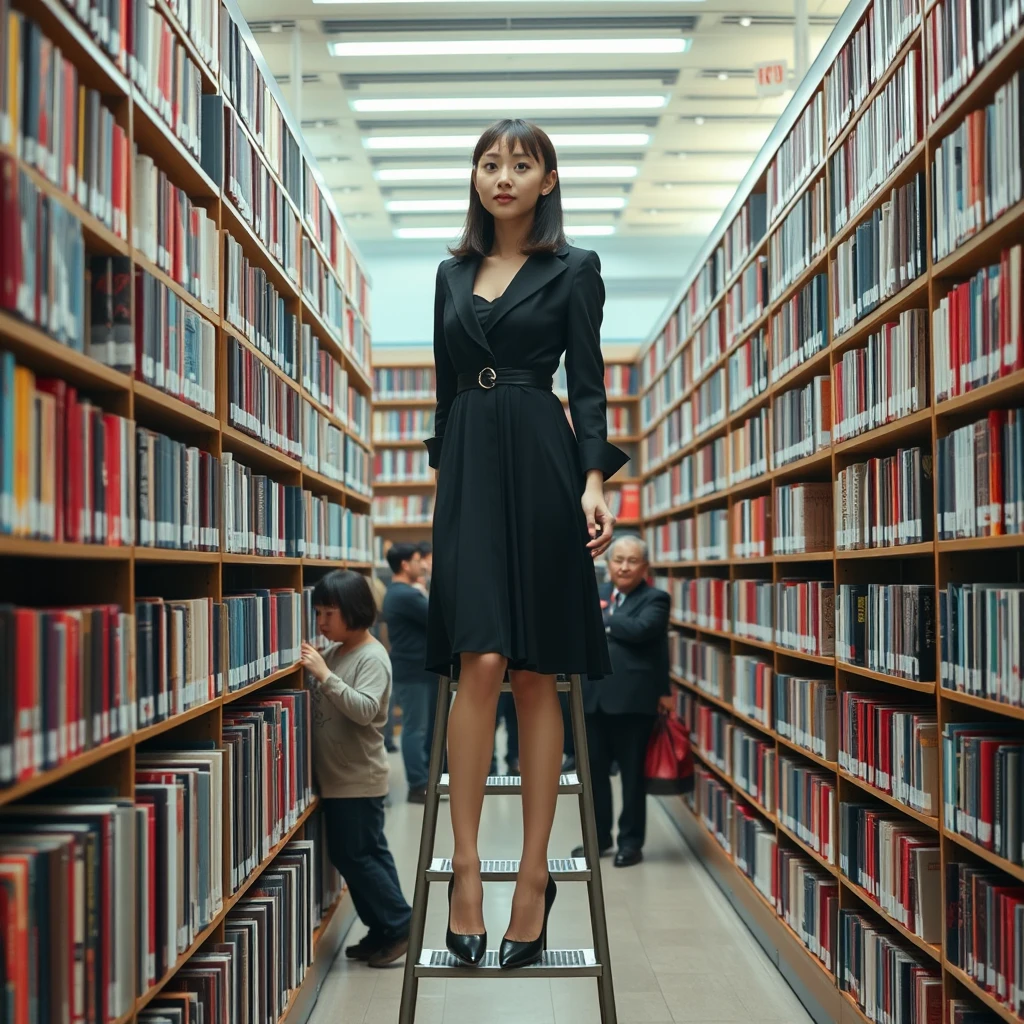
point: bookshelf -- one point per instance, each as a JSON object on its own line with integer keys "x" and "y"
{"x": 314, "y": 350}
{"x": 693, "y": 495}
{"x": 404, "y": 391}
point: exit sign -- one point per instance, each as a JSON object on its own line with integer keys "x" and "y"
{"x": 770, "y": 78}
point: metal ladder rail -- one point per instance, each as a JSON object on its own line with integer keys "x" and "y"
{"x": 577, "y": 963}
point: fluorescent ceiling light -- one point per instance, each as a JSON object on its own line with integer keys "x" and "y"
{"x": 415, "y": 104}
{"x": 529, "y": 47}
{"x": 460, "y": 205}
{"x": 462, "y": 173}
{"x": 593, "y": 140}
{"x": 583, "y": 231}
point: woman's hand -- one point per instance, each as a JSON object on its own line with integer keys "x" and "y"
{"x": 313, "y": 662}
{"x": 600, "y": 521}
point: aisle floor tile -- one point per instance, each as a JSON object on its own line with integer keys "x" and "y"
{"x": 679, "y": 952}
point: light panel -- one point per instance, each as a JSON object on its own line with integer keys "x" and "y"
{"x": 449, "y": 232}
{"x": 506, "y": 104}
{"x": 580, "y": 203}
{"x": 589, "y": 140}
{"x": 529, "y": 47}
{"x": 566, "y": 173}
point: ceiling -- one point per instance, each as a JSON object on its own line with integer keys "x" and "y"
{"x": 686, "y": 117}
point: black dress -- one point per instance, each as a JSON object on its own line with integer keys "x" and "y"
{"x": 512, "y": 573}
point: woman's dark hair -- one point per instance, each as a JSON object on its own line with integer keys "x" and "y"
{"x": 547, "y": 233}
{"x": 399, "y": 553}
{"x": 350, "y": 594}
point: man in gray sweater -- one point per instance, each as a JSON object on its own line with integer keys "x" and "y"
{"x": 351, "y": 689}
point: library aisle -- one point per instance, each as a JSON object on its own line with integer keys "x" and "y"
{"x": 679, "y": 952}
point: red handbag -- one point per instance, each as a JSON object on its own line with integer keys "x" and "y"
{"x": 669, "y": 764}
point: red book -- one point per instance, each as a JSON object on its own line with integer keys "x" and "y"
{"x": 10, "y": 228}
{"x": 58, "y": 388}
{"x": 26, "y": 690}
{"x": 112, "y": 453}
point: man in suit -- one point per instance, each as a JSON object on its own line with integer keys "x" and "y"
{"x": 621, "y": 708}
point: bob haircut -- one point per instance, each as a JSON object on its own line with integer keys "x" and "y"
{"x": 348, "y": 592}
{"x": 548, "y": 233}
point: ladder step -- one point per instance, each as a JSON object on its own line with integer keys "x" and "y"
{"x": 568, "y": 782}
{"x": 563, "y": 869}
{"x": 506, "y": 687}
{"x": 556, "y": 963}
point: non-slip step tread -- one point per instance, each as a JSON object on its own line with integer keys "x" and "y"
{"x": 563, "y": 869}
{"x": 566, "y": 963}
{"x": 568, "y": 782}
{"x": 563, "y": 686}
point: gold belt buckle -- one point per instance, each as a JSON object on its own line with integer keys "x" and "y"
{"x": 487, "y": 378}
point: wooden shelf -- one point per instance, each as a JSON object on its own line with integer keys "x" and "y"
{"x": 922, "y": 549}
{"x": 925, "y": 819}
{"x": 695, "y": 689}
{"x": 1014, "y": 870}
{"x": 832, "y": 869}
{"x": 935, "y": 952}
{"x": 146, "y": 554}
{"x": 889, "y": 437}
{"x": 988, "y": 396}
{"x": 37, "y": 350}
{"x": 255, "y": 250}
{"x": 889, "y": 680}
{"x": 830, "y": 766}
{"x": 241, "y": 443}
{"x": 978, "y": 992}
{"x": 1000, "y": 543}
{"x": 161, "y": 409}
{"x": 18, "y": 547}
{"x": 984, "y": 703}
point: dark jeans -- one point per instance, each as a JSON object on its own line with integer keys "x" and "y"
{"x": 358, "y": 849}
{"x": 623, "y": 739}
{"x": 418, "y": 702}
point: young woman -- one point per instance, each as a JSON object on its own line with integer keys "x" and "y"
{"x": 520, "y": 511}
{"x": 351, "y": 690}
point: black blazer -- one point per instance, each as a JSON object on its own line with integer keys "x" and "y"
{"x": 553, "y": 305}
{"x": 638, "y": 643}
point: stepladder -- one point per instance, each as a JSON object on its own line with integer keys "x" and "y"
{"x": 593, "y": 962}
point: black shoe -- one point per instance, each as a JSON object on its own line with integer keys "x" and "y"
{"x": 578, "y": 851}
{"x": 392, "y": 950}
{"x": 418, "y": 795}
{"x": 627, "y": 858}
{"x": 469, "y": 950}
{"x": 522, "y": 954}
{"x": 365, "y": 947}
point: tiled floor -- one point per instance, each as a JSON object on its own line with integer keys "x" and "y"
{"x": 679, "y": 953}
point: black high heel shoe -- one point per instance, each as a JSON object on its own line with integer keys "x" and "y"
{"x": 522, "y": 954}
{"x": 469, "y": 950}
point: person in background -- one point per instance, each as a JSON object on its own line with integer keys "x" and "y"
{"x": 351, "y": 685}
{"x": 405, "y": 612}
{"x": 380, "y": 632}
{"x": 426, "y": 550}
{"x": 621, "y": 708}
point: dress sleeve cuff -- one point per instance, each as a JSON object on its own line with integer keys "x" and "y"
{"x": 596, "y": 453}
{"x": 434, "y": 451}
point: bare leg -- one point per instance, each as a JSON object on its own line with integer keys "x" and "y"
{"x": 540, "y": 761}
{"x": 470, "y": 746}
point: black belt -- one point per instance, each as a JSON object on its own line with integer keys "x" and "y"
{"x": 488, "y": 377}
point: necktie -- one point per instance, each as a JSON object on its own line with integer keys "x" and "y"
{"x": 617, "y": 600}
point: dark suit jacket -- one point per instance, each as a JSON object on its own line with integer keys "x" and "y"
{"x": 638, "y": 643}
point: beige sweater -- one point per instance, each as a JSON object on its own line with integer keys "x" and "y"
{"x": 350, "y": 710}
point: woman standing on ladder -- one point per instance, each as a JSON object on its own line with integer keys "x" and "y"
{"x": 520, "y": 512}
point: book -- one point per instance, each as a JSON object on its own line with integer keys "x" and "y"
{"x": 403, "y": 383}
{"x": 979, "y": 640}
{"x": 977, "y": 328}
{"x": 703, "y": 602}
{"x": 802, "y": 518}
{"x": 674, "y": 540}
{"x": 755, "y": 849}
{"x": 262, "y": 404}
{"x": 712, "y": 532}
{"x": 751, "y": 603}
{"x": 892, "y": 747}
{"x": 746, "y": 299}
{"x": 703, "y": 664}
{"x": 749, "y": 451}
{"x": 752, "y": 688}
{"x": 887, "y": 628}
{"x": 800, "y": 328}
{"x": 805, "y": 616}
{"x": 807, "y": 899}
{"x": 807, "y": 804}
{"x": 884, "y": 379}
{"x": 715, "y": 802}
{"x": 981, "y": 791}
{"x": 748, "y": 370}
{"x": 402, "y": 465}
{"x": 746, "y": 230}
{"x": 885, "y": 134}
{"x": 802, "y": 421}
{"x": 749, "y": 528}
{"x": 753, "y": 766}
{"x": 884, "y": 502}
{"x": 174, "y": 345}
{"x": 800, "y": 238}
{"x": 709, "y": 468}
{"x": 896, "y": 862}
{"x": 977, "y": 170}
{"x": 178, "y": 494}
{"x": 881, "y": 257}
{"x": 804, "y": 713}
{"x": 799, "y": 155}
